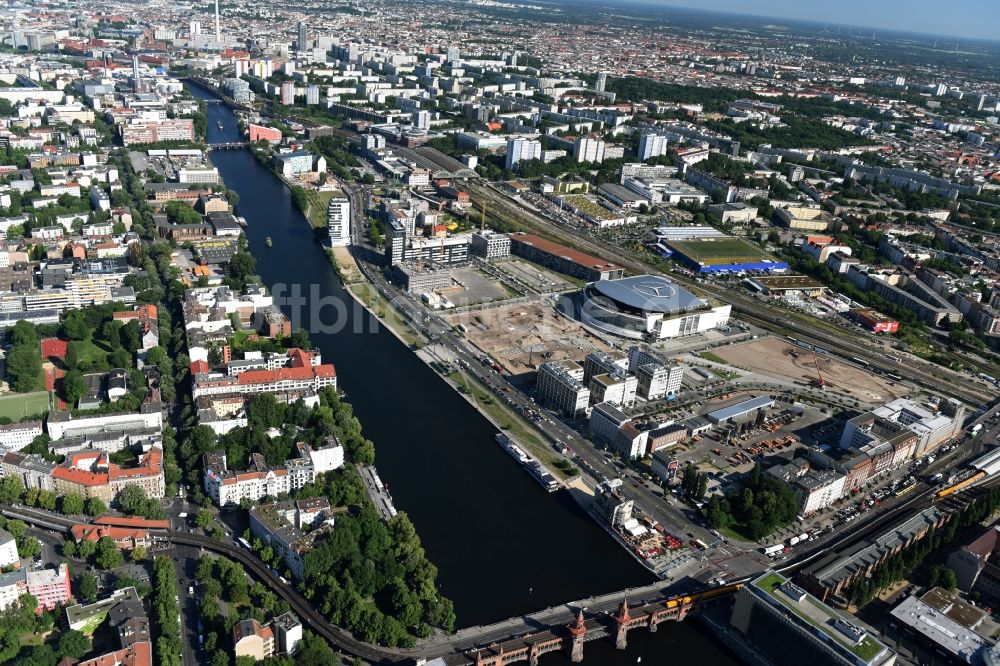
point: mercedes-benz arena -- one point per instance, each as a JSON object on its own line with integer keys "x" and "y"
{"x": 648, "y": 307}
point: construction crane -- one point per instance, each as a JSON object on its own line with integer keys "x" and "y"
{"x": 820, "y": 382}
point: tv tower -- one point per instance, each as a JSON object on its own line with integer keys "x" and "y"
{"x": 218, "y": 30}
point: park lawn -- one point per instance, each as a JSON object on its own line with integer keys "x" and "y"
{"x": 709, "y": 356}
{"x": 19, "y": 405}
{"x": 89, "y": 352}
{"x": 318, "y": 202}
{"x": 386, "y": 313}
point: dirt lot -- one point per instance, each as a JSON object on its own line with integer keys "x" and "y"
{"x": 514, "y": 334}
{"x": 772, "y": 356}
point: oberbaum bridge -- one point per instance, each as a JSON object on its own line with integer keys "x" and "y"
{"x": 571, "y": 637}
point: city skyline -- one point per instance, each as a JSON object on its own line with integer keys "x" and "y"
{"x": 895, "y": 15}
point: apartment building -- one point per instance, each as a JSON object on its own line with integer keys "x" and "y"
{"x": 308, "y": 379}
{"x": 50, "y": 587}
{"x": 291, "y": 528}
{"x": 252, "y": 639}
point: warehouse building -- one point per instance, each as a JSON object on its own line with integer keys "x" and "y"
{"x": 563, "y": 259}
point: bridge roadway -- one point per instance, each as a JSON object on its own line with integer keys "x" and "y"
{"x": 229, "y": 145}
{"x": 944, "y": 380}
{"x": 454, "y": 647}
{"x": 515, "y": 632}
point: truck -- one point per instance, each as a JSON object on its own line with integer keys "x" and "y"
{"x": 182, "y": 514}
{"x": 771, "y": 551}
{"x": 794, "y": 540}
{"x": 243, "y": 542}
{"x": 976, "y": 428}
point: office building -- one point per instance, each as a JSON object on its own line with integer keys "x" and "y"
{"x": 617, "y": 387}
{"x": 601, "y": 83}
{"x": 16, "y": 436}
{"x": 522, "y": 150}
{"x": 490, "y": 245}
{"x": 559, "y": 385}
{"x": 338, "y": 220}
{"x": 421, "y": 119}
{"x": 303, "y": 41}
{"x": 790, "y": 627}
{"x": 937, "y": 628}
{"x": 312, "y": 94}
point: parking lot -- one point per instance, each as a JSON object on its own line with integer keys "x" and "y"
{"x": 534, "y": 277}
{"x": 472, "y": 287}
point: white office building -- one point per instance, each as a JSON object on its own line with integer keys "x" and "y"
{"x": 559, "y": 385}
{"x": 338, "y": 221}
{"x": 522, "y": 149}
{"x": 490, "y": 245}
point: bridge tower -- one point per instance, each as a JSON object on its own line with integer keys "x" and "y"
{"x": 683, "y": 609}
{"x": 577, "y": 632}
{"x": 622, "y": 618}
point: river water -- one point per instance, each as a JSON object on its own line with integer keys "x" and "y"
{"x": 503, "y": 546}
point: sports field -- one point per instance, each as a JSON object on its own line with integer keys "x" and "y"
{"x": 719, "y": 251}
{"x": 18, "y": 405}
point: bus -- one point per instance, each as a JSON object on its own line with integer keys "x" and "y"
{"x": 243, "y": 542}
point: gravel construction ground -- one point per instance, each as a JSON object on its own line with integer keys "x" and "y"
{"x": 522, "y": 336}
{"x": 776, "y": 357}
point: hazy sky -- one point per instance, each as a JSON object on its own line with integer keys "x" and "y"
{"x": 962, "y": 18}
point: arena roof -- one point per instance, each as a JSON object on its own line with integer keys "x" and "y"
{"x": 650, "y": 293}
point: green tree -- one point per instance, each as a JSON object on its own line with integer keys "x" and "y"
{"x": 96, "y": 507}
{"x": 107, "y": 556}
{"x": 131, "y": 499}
{"x": 75, "y": 327}
{"x": 86, "y": 549}
{"x": 11, "y": 490}
{"x": 74, "y": 386}
{"x": 139, "y": 554}
{"x": 71, "y": 504}
{"x": 24, "y": 367}
{"x": 24, "y": 334}
{"x": 28, "y": 547}
{"x": 204, "y": 519}
{"x": 241, "y": 267}
{"x": 86, "y": 587}
{"x": 73, "y": 644}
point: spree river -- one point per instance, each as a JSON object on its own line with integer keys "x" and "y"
{"x": 502, "y": 545}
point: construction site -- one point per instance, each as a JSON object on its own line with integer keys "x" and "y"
{"x": 779, "y": 358}
{"x": 521, "y": 336}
